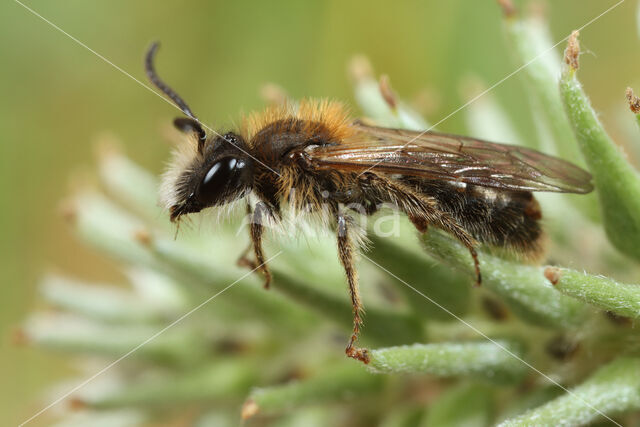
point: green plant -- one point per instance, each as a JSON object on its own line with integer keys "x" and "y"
{"x": 206, "y": 345}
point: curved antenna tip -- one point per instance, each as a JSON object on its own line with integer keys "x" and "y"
{"x": 157, "y": 82}
{"x": 151, "y": 53}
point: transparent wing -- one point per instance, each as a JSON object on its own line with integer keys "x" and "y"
{"x": 453, "y": 158}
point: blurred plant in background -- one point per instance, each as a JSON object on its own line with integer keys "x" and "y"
{"x": 199, "y": 342}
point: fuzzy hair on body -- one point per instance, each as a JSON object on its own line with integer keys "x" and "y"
{"x": 285, "y": 191}
{"x": 295, "y": 164}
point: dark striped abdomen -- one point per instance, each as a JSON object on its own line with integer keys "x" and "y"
{"x": 501, "y": 218}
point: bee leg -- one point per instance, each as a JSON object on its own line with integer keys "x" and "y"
{"x": 424, "y": 210}
{"x": 422, "y": 225}
{"x": 243, "y": 259}
{"x": 419, "y": 223}
{"x": 476, "y": 264}
{"x": 345, "y": 252}
{"x": 255, "y": 233}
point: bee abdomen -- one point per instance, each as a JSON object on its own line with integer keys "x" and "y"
{"x": 512, "y": 221}
{"x": 500, "y": 218}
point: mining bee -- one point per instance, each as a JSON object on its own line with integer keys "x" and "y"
{"x": 313, "y": 158}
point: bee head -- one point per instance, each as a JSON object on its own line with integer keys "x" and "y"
{"x": 218, "y": 174}
{"x": 206, "y": 171}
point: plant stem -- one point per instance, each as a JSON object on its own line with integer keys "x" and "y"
{"x": 612, "y": 389}
{"x": 604, "y": 293}
{"x": 222, "y": 379}
{"x": 333, "y": 383}
{"x": 616, "y": 182}
{"x": 492, "y": 361}
{"x": 523, "y": 287}
{"x": 462, "y": 405}
{"x": 445, "y": 287}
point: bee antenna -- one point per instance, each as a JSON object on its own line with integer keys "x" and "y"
{"x": 157, "y": 82}
{"x": 183, "y": 124}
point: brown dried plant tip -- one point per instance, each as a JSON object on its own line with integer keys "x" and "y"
{"x": 19, "y": 337}
{"x": 249, "y": 409}
{"x": 573, "y": 51}
{"x": 427, "y": 101}
{"x": 471, "y": 87}
{"x": 68, "y": 211}
{"x": 508, "y": 8}
{"x": 537, "y": 9}
{"x": 360, "y": 68}
{"x": 143, "y": 237}
{"x": 387, "y": 92}
{"x": 77, "y": 404}
{"x": 107, "y": 146}
{"x": 552, "y": 274}
{"x": 273, "y": 94}
{"x": 634, "y": 101}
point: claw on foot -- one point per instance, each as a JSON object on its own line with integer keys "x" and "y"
{"x": 267, "y": 279}
{"x": 361, "y": 354}
{"x": 245, "y": 262}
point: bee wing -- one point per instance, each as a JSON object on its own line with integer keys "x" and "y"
{"x": 450, "y": 157}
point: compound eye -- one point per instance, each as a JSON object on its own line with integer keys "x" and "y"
{"x": 218, "y": 179}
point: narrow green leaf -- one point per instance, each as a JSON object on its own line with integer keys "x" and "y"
{"x": 447, "y": 288}
{"x": 123, "y": 236}
{"x": 378, "y": 102}
{"x": 118, "y": 172}
{"x": 221, "y": 380}
{"x": 217, "y": 418}
{"x": 540, "y": 64}
{"x": 469, "y": 405}
{"x": 485, "y": 117}
{"x": 493, "y": 361}
{"x": 158, "y": 289}
{"x": 216, "y": 272}
{"x": 529, "y": 400}
{"x": 104, "y": 302}
{"x": 103, "y": 225}
{"x": 333, "y": 384}
{"x": 180, "y": 345}
{"x": 616, "y": 182}
{"x": 613, "y": 389}
{"x": 403, "y": 416}
{"x": 541, "y": 67}
{"x": 523, "y": 287}
{"x": 381, "y": 326}
{"x": 604, "y": 293}
{"x": 309, "y": 417}
{"x": 118, "y": 417}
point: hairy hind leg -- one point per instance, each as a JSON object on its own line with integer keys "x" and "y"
{"x": 423, "y": 211}
{"x": 345, "y": 252}
{"x": 421, "y": 225}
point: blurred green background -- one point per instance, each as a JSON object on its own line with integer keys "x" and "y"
{"x": 58, "y": 98}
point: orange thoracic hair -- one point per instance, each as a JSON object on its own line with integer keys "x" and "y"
{"x": 325, "y": 115}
